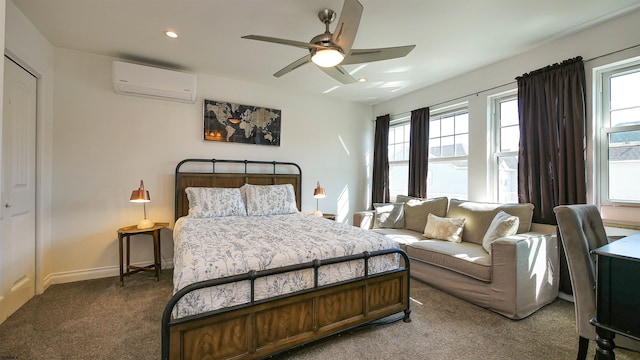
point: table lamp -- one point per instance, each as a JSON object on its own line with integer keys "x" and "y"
{"x": 318, "y": 193}
{"x": 141, "y": 195}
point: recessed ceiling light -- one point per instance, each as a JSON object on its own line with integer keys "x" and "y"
{"x": 362, "y": 80}
{"x": 172, "y": 34}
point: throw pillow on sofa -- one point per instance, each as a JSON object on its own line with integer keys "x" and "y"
{"x": 502, "y": 225}
{"x": 479, "y": 216}
{"x": 390, "y": 215}
{"x": 416, "y": 210}
{"x": 444, "y": 228}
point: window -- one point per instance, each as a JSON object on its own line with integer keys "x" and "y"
{"x": 504, "y": 169}
{"x": 619, "y": 140}
{"x": 399, "y": 157}
{"x": 448, "y": 153}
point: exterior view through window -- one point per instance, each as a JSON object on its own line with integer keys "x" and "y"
{"x": 507, "y": 142}
{"x": 398, "y": 159}
{"x": 448, "y": 154}
{"x": 620, "y": 139}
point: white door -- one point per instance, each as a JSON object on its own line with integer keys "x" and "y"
{"x": 18, "y": 191}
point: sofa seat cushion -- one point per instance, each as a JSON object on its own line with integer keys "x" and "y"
{"x": 465, "y": 258}
{"x": 402, "y": 236}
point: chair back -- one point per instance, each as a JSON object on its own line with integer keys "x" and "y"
{"x": 581, "y": 230}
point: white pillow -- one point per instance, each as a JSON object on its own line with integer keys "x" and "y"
{"x": 213, "y": 202}
{"x": 388, "y": 215}
{"x": 502, "y": 225}
{"x": 444, "y": 228}
{"x": 270, "y": 199}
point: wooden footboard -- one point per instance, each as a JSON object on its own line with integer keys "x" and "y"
{"x": 266, "y": 327}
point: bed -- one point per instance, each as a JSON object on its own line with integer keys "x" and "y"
{"x": 254, "y": 277}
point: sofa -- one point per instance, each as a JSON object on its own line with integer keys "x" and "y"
{"x": 491, "y": 255}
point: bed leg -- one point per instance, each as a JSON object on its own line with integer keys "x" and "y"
{"x": 407, "y": 316}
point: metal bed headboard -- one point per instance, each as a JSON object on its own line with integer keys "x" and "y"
{"x": 235, "y": 174}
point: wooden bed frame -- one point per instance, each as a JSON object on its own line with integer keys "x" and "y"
{"x": 262, "y": 328}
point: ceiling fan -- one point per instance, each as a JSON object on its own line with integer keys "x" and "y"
{"x": 332, "y": 50}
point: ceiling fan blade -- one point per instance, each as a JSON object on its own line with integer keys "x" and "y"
{"x": 359, "y": 56}
{"x": 294, "y": 65}
{"x": 339, "y": 73}
{"x": 347, "y": 27}
{"x": 300, "y": 44}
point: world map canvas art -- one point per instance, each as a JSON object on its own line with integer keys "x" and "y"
{"x": 228, "y": 122}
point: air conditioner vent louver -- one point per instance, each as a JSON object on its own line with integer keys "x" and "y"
{"x": 140, "y": 80}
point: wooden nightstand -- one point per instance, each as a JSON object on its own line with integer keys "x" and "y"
{"x": 329, "y": 216}
{"x": 126, "y": 233}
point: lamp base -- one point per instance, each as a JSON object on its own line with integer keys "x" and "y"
{"x": 317, "y": 213}
{"x": 145, "y": 224}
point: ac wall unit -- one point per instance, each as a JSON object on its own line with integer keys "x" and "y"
{"x": 147, "y": 81}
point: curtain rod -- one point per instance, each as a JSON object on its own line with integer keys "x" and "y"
{"x": 513, "y": 82}
{"x": 613, "y": 52}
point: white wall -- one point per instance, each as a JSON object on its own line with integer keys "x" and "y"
{"x": 2, "y": 27}
{"x": 104, "y": 143}
{"x": 592, "y": 44}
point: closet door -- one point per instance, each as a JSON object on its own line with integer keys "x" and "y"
{"x": 18, "y": 191}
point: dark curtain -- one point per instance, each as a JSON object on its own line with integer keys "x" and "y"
{"x": 380, "y": 183}
{"x": 551, "y": 160}
{"x": 419, "y": 153}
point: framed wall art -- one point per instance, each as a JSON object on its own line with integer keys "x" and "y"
{"x": 228, "y": 122}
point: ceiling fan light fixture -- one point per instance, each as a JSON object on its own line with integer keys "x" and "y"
{"x": 171, "y": 34}
{"x": 327, "y": 57}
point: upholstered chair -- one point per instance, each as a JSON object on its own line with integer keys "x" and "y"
{"x": 581, "y": 230}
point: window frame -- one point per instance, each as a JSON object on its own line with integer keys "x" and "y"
{"x": 440, "y": 113}
{"x": 495, "y": 128}
{"x": 603, "y": 129}
{"x": 453, "y": 110}
{"x": 399, "y": 121}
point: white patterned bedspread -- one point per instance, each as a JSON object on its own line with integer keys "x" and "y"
{"x": 207, "y": 248}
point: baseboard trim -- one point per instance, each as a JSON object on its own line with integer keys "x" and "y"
{"x": 564, "y": 296}
{"x": 89, "y": 274}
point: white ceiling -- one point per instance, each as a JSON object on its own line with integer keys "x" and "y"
{"x": 451, "y": 37}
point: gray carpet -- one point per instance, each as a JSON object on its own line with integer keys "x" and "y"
{"x": 96, "y": 319}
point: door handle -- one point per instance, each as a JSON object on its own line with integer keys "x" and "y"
{"x": 7, "y": 204}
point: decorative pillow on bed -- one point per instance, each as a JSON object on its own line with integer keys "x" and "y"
{"x": 270, "y": 199}
{"x": 444, "y": 228}
{"x": 388, "y": 215}
{"x": 502, "y": 225}
{"x": 213, "y": 202}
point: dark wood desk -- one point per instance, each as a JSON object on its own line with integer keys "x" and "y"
{"x": 617, "y": 293}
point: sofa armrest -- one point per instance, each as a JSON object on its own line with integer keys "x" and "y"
{"x": 525, "y": 270}
{"x": 363, "y": 219}
{"x": 537, "y": 234}
{"x": 545, "y": 229}
{"x": 531, "y": 240}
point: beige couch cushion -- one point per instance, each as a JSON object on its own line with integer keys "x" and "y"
{"x": 464, "y": 258}
{"x": 479, "y": 216}
{"x": 401, "y": 236}
{"x": 388, "y": 215}
{"x": 416, "y": 210}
